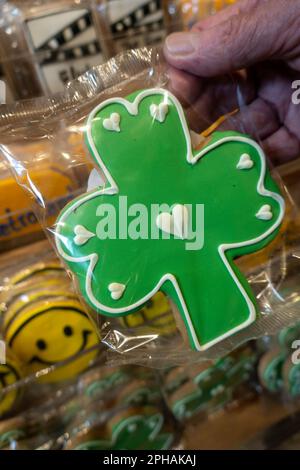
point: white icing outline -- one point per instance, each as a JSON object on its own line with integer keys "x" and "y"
{"x": 132, "y": 108}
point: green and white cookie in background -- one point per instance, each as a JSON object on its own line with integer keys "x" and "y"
{"x": 104, "y": 380}
{"x": 291, "y": 378}
{"x": 136, "y": 432}
{"x": 212, "y": 386}
{"x": 288, "y": 335}
{"x": 270, "y": 369}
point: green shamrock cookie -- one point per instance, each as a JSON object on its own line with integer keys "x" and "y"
{"x": 170, "y": 218}
{"x": 291, "y": 378}
{"x": 192, "y": 398}
{"x": 134, "y": 433}
{"x": 109, "y": 382}
{"x": 188, "y": 404}
{"x": 288, "y": 335}
{"x": 270, "y": 370}
{"x": 237, "y": 368}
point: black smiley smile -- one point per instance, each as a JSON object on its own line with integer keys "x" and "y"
{"x": 37, "y": 359}
{"x": 3, "y": 378}
{"x": 3, "y": 375}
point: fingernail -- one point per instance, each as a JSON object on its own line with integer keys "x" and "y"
{"x": 179, "y": 44}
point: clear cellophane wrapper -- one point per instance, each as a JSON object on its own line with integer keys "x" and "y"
{"x": 94, "y": 409}
{"x": 150, "y": 336}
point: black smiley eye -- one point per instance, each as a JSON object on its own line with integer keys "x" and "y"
{"x": 41, "y": 344}
{"x": 68, "y": 331}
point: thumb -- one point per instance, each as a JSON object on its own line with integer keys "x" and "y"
{"x": 246, "y": 33}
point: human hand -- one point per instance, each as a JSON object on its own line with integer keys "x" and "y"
{"x": 259, "y": 37}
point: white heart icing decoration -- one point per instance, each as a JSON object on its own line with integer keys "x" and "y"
{"x": 116, "y": 290}
{"x": 82, "y": 235}
{"x": 95, "y": 181}
{"x": 196, "y": 139}
{"x": 245, "y": 163}
{"x": 112, "y": 123}
{"x": 176, "y": 223}
{"x": 265, "y": 212}
{"x": 132, "y": 427}
{"x": 159, "y": 112}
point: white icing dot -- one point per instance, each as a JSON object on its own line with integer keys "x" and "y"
{"x": 132, "y": 427}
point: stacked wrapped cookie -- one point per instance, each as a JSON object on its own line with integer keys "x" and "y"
{"x": 279, "y": 366}
{"x": 55, "y": 392}
{"x": 125, "y": 410}
{"x": 44, "y": 324}
{"x": 197, "y": 391}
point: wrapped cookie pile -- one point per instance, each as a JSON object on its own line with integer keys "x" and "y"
{"x": 48, "y": 337}
{"x": 197, "y": 392}
{"x": 125, "y": 410}
{"x": 86, "y": 405}
{"x": 55, "y": 392}
{"x": 279, "y": 366}
{"x": 42, "y": 321}
{"x": 106, "y": 408}
{"x": 178, "y": 241}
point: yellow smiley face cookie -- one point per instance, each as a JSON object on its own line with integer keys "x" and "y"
{"x": 39, "y": 272}
{"x": 46, "y": 332}
{"x": 38, "y": 280}
{"x": 10, "y": 373}
{"x": 25, "y": 298}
